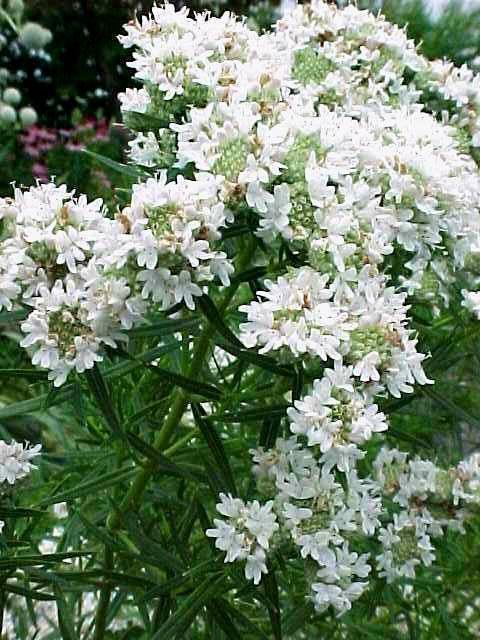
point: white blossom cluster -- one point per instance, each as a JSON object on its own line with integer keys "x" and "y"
{"x": 88, "y": 277}
{"x": 325, "y": 508}
{"x": 16, "y": 463}
{"x": 246, "y": 534}
{"x": 51, "y": 259}
{"x": 357, "y": 155}
{"x": 333, "y": 130}
{"x": 16, "y": 460}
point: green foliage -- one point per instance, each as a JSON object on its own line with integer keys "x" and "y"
{"x": 454, "y": 34}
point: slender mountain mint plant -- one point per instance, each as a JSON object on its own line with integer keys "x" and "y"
{"x": 302, "y": 228}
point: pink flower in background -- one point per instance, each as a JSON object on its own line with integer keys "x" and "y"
{"x": 38, "y": 141}
{"x": 40, "y": 171}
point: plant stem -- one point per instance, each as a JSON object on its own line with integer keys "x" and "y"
{"x": 180, "y": 403}
{"x": 8, "y": 20}
{"x": 105, "y": 593}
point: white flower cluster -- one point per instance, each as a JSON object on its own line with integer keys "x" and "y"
{"x": 16, "y": 463}
{"x": 88, "y": 277}
{"x": 51, "y": 260}
{"x": 364, "y": 326}
{"x": 16, "y": 460}
{"x": 430, "y": 500}
{"x": 351, "y": 157}
{"x": 326, "y": 514}
{"x": 356, "y": 156}
{"x": 342, "y": 139}
{"x": 247, "y": 533}
{"x": 336, "y": 413}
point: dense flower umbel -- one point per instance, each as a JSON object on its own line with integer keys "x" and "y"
{"x": 326, "y": 131}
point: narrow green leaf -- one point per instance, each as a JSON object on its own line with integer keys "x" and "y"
{"x": 243, "y": 620}
{"x": 269, "y": 432}
{"x": 178, "y": 624}
{"x": 32, "y": 594}
{"x": 66, "y": 625}
{"x": 271, "y": 592}
{"x": 100, "y": 534}
{"x": 150, "y": 550}
{"x": 216, "y": 447}
{"x": 259, "y": 360}
{"x": 16, "y": 562}
{"x": 161, "y": 461}
{"x": 40, "y": 403}
{"x": 125, "y": 169}
{"x": 249, "y": 274}
{"x": 210, "y": 311}
{"x": 19, "y": 512}
{"x": 103, "y": 481}
{"x": 224, "y": 621}
{"x": 162, "y": 403}
{"x": 101, "y": 393}
{"x": 253, "y": 415}
{"x": 164, "y": 327}
{"x": 132, "y": 363}
{"x": 175, "y": 583}
{"x": 450, "y": 406}
{"x": 186, "y": 526}
{"x": 28, "y": 374}
{"x": 193, "y": 386}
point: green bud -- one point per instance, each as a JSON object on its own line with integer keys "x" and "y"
{"x": 167, "y": 143}
{"x": 298, "y": 155}
{"x": 232, "y": 158}
{"x": 310, "y": 67}
{"x": 302, "y": 213}
{"x": 364, "y": 340}
{"x": 407, "y": 548}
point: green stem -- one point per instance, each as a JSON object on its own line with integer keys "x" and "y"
{"x": 8, "y": 20}
{"x": 180, "y": 403}
{"x": 104, "y": 602}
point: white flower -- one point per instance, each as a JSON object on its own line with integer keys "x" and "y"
{"x": 247, "y": 533}
{"x": 15, "y": 460}
{"x": 335, "y": 413}
{"x": 137, "y": 100}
